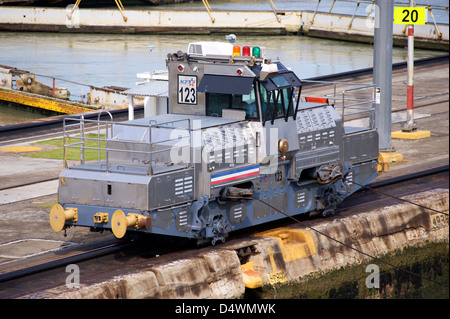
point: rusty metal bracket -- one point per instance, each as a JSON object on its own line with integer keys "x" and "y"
{"x": 354, "y": 14}
{"x": 208, "y": 8}
{"x": 121, "y": 8}
{"x": 118, "y": 3}
{"x": 434, "y": 21}
{"x": 274, "y": 11}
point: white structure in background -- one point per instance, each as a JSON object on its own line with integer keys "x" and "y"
{"x": 155, "y": 90}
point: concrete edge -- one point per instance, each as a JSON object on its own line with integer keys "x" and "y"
{"x": 375, "y": 233}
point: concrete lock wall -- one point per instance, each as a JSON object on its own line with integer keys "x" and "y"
{"x": 282, "y": 255}
{"x": 376, "y": 233}
{"x": 320, "y": 24}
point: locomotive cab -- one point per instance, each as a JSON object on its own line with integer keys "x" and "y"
{"x": 261, "y": 100}
{"x": 246, "y": 87}
{"x": 212, "y": 80}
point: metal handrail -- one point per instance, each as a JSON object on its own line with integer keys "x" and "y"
{"x": 109, "y": 137}
{"x": 352, "y": 108}
{"x": 369, "y": 110}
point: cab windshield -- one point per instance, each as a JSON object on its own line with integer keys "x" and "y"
{"x": 280, "y": 96}
{"x": 277, "y": 103}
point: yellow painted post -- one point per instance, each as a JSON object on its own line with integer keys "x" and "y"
{"x": 121, "y": 8}
{"x": 274, "y": 10}
{"x": 208, "y": 9}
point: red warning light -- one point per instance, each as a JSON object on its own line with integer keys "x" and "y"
{"x": 239, "y": 72}
{"x": 180, "y": 68}
{"x": 246, "y": 51}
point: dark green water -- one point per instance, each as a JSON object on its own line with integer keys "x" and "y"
{"x": 427, "y": 262}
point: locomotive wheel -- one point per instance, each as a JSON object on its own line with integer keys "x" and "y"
{"x": 327, "y": 212}
{"x": 217, "y": 239}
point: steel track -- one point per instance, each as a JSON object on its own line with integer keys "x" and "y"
{"x": 83, "y": 252}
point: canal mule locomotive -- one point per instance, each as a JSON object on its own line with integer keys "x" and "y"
{"x": 236, "y": 147}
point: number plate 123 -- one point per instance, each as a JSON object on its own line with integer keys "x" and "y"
{"x": 187, "y": 89}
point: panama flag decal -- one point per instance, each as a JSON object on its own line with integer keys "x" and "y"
{"x": 234, "y": 175}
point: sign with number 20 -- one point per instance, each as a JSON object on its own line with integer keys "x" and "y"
{"x": 410, "y": 15}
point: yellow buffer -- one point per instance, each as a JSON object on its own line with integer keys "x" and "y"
{"x": 120, "y": 222}
{"x": 59, "y": 216}
{"x": 383, "y": 163}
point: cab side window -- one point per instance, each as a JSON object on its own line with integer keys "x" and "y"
{"x": 216, "y": 102}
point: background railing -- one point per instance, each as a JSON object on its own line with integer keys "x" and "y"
{"x": 354, "y": 101}
{"x": 367, "y": 7}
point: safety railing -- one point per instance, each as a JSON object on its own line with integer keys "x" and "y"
{"x": 77, "y": 5}
{"x": 366, "y": 8}
{"x": 355, "y": 101}
{"x": 124, "y": 147}
{"x": 361, "y": 106}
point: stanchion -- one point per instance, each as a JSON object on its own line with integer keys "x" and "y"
{"x": 409, "y": 130}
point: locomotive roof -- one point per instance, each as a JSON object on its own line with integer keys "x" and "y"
{"x": 180, "y": 121}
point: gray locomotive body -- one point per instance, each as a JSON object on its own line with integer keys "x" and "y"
{"x": 236, "y": 148}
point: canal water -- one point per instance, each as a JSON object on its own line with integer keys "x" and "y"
{"x": 115, "y": 59}
{"x": 421, "y": 273}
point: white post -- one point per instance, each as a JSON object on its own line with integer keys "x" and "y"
{"x": 409, "y": 127}
{"x": 149, "y": 106}
{"x": 130, "y": 108}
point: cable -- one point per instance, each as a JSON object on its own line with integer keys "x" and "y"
{"x": 397, "y": 198}
{"x": 355, "y": 249}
